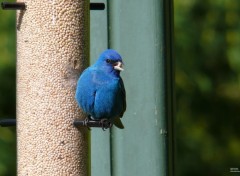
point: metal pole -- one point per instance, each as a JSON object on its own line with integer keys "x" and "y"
{"x": 142, "y": 32}
{"x": 52, "y": 50}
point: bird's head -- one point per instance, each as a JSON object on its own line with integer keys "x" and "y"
{"x": 111, "y": 61}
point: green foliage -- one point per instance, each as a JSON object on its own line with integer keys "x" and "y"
{"x": 207, "y": 53}
{"x": 7, "y": 92}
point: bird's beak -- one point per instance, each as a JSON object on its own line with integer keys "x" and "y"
{"x": 118, "y": 66}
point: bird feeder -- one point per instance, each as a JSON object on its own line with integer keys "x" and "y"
{"x": 52, "y": 50}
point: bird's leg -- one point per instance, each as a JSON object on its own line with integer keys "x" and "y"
{"x": 89, "y": 117}
{"x": 106, "y": 124}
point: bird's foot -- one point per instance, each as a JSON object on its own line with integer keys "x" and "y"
{"x": 86, "y": 120}
{"x": 106, "y": 124}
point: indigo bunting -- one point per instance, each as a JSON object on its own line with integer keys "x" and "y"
{"x": 100, "y": 90}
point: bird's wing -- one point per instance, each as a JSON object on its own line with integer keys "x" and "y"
{"x": 86, "y": 89}
{"x": 123, "y": 92}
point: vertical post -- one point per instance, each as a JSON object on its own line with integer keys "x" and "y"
{"x": 141, "y": 31}
{"x": 52, "y": 50}
{"x": 100, "y": 140}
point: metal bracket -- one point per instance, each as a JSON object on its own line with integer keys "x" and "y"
{"x": 97, "y": 6}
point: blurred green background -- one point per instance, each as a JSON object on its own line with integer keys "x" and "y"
{"x": 7, "y": 92}
{"x": 207, "y": 59}
{"x": 207, "y": 54}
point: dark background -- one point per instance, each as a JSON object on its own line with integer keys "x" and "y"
{"x": 207, "y": 59}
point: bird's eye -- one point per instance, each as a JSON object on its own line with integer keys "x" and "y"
{"x": 108, "y": 60}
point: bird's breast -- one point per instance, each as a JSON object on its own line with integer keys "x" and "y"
{"x": 108, "y": 101}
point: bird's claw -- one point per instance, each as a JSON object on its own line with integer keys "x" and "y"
{"x": 86, "y": 123}
{"x": 106, "y": 124}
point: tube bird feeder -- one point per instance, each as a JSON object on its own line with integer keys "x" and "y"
{"x": 52, "y": 50}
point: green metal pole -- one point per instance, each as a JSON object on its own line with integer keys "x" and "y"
{"x": 142, "y": 33}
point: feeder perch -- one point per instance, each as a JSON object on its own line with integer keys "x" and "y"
{"x": 7, "y": 122}
{"x": 13, "y": 5}
{"x": 104, "y": 124}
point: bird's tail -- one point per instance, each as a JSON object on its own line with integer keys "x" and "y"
{"x": 118, "y": 123}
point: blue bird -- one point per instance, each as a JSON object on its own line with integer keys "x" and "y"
{"x": 100, "y": 90}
